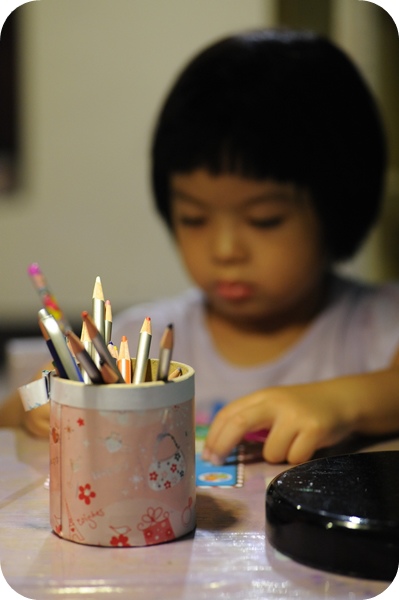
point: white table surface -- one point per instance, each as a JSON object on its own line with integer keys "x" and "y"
{"x": 228, "y": 556}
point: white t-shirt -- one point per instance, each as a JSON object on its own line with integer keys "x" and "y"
{"x": 357, "y": 332}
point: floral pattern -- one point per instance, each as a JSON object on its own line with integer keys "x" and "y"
{"x": 86, "y": 493}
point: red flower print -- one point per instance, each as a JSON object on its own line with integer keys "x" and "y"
{"x": 173, "y": 468}
{"x": 167, "y": 484}
{"x": 80, "y": 422}
{"x": 86, "y": 493}
{"x": 121, "y": 540}
{"x": 153, "y": 476}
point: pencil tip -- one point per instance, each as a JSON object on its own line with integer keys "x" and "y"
{"x": 84, "y": 314}
{"x": 124, "y": 338}
{"x": 98, "y": 279}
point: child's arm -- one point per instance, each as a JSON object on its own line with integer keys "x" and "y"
{"x": 12, "y": 414}
{"x": 305, "y": 418}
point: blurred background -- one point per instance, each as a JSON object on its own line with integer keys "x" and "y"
{"x": 81, "y": 84}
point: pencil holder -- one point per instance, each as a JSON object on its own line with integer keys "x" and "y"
{"x": 122, "y": 460}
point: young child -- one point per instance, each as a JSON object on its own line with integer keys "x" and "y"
{"x": 268, "y": 160}
{"x": 267, "y": 166}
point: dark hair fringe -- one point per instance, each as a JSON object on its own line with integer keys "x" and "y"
{"x": 284, "y": 105}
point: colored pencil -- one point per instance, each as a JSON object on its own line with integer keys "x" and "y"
{"x": 98, "y": 312}
{"x": 49, "y": 301}
{"x": 113, "y": 350}
{"x": 108, "y": 322}
{"x": 88, "y": 346}
{"x": 124, "y": 363}
{"x": 108, "y": 374}
{"x": 84, "y": 358}
{"x": 176, "y": 373}
{"x": 143, "y": 351}
{"x": 100, "y": 345}
{"x": 165, "y": 353}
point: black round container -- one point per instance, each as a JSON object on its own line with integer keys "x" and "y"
{"x": 340, "y": 514}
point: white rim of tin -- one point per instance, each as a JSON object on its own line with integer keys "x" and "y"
{"x": 125, "y": 397}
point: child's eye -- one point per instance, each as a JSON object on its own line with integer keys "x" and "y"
{"x": 187, "y": 221}
{"x": 266, "y": 223}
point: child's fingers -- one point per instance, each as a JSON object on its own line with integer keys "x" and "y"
{"x": 231, "y": 424}
{"x": 279, "y": 442}
{"x": 37, "y": 421}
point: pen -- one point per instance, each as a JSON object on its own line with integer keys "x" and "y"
{"x": 61, "y": 348}
{"x": 165, "y": 353}
{"x": 48, "y": 300}
{"x": 84, "y": 358}
{"x": 124, "y": 363}
{"x": 56, "y": 360}
{"x": 143, "y": 351}
{"x": 99, "y": 344}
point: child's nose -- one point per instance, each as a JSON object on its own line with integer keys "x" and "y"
{"x": 227, "y": 244}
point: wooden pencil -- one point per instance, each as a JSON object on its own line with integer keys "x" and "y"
{"x": 165, "y": 353}
{"x": 108, "y": 374}
{"x": 143, "y": 351}
{"x": 113, "y": 350}
{"x": 108, "y": 322}
{"x": 84, "y": 358}
{"x": 87, "y": 343}
{"x": 98, "y": 311}
{"x": 100, "y": 345}
{"x": 176, "y": 373}
{"x": 124, "y": 363}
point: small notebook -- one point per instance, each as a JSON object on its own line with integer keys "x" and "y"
{"x": 230, "y": 474}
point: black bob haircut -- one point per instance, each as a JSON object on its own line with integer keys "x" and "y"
{"x": 285, "y": 105}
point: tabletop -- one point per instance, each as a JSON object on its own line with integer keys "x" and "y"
{"x": 228, "y": 555}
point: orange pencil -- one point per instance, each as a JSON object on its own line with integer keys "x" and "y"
{"x": 124, "y": 363}
{"x": 176, "y": 373}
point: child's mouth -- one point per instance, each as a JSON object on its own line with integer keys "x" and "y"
{"x": 234, "y": 290}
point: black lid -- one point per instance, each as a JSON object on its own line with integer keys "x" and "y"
{"x": 339, "y": 514}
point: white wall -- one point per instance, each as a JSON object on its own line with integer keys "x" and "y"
{"x": 93, "y": 73}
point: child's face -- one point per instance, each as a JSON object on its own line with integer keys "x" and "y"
{"x": 253, "y": 246}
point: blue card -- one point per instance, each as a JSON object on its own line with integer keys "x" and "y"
{"x": 230, "y": 474}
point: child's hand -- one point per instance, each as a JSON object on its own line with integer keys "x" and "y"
{"x": 37, "y": 421}
{"x": 301, "y": 419}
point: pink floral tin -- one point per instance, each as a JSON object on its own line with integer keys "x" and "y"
{"x": 122, "y": 461}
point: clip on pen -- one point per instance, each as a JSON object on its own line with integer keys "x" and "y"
{"x": 60, "y": 346}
